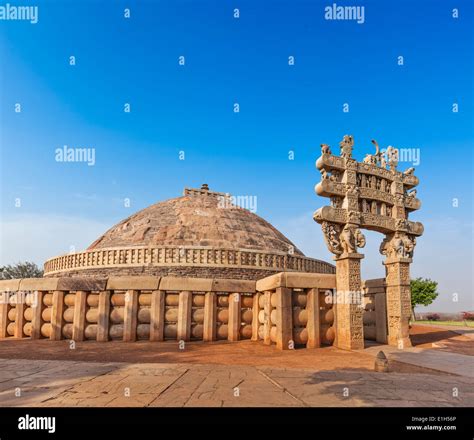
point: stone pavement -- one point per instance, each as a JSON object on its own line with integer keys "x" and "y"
{"x": 436, "y": 360}
{"x": 71, "y": 383}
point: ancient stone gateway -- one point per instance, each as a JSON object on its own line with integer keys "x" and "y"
{"x": 198, "y": 268}
{"x": 369, "y": 195}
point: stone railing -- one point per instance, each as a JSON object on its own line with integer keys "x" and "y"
{"x": 127, "y": 308}
{"x": 375, "y": 311}
{"x": 184, "y": 256}
{"x": 290, "y": 309}
{"x": 287, "y": 309}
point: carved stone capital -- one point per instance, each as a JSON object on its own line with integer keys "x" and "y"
{"x": 398, "y": 246}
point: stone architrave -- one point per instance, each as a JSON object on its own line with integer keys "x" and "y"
{"x": 369, "y": 195}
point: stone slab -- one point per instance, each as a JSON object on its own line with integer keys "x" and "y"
{"x": 133, "y": 283}
{"x": 39, "y": 284}
{"x": 78, "y": 283}
{"x": 229, "y": 285}
{"x": 186, "y": 284}
{"x": 375, "y": 282}
{"x": 9, "y": 285}
{"x": 297, "y": 280}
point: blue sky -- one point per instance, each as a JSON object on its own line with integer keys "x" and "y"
{"x": 190, "y": 108}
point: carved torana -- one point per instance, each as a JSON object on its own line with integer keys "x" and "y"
{"x": 372, "y": 195}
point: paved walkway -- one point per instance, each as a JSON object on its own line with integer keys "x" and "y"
{"x": 436, "y": 360}
{"x": 71, "y": 383}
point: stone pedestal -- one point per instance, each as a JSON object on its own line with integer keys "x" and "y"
{"x": 398, "y": 300}
{"x": 349, "y": 308}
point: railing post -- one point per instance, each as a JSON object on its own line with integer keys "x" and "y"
{"x": 4, "y": 309}
{"x": 37, "y": 320}
{"x": 234, "y": 317}
{"x": 284, "y": 322}
{"x": 130, "y": 316}
{"x": 57, "y": 311}
{"x": 79, "y": 319}
{"x": 104, "y": 316}
{"x": 157, "y": 315}
{"x": 20, "y": 315}
{"x": 267, "y": 325}
{"x": 255, "y": 312}
{"x": 184, "y": 315}
{"x": 210, "y": 311}
{"x": 314, "y": 325}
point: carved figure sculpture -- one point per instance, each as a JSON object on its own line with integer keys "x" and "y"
{"x": 409, "y": 171}
{"x": 331, "y": 233}
{"x": 410, "y": 243}
{"x": 398, "y": 244}
{"x": 336, "y": 202}
{"x": 392, "y": 155}
{"x": 351, "y": 237}
{"x": 411, "y": 193}
{"x": 365, "y": 206}
{"x": 334, "y": 176}
{"x": 360, "y": 238}
{"x": 373, "y": 207}
{"x": 370, "y": 159}
{"x": 325, "y": 149}
{"x": 346, "y": 145}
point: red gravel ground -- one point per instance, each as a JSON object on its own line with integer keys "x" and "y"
{"x": 423, "y": 336}
{"x": 224, "y": 353}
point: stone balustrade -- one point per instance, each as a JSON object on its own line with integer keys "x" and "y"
{"x": 287, "y": 309}
{"x": 168, "y": 256}
{"x": 127, "y": 308}
{"x": 291, "y": 310}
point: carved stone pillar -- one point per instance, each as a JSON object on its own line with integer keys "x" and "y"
{"x": 398, "y": 300}
{"x": 398, "y": 249}
{"x": 349, "y": 310}
{"x": 343, "y": 242}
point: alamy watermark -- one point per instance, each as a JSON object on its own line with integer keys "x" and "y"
{"x": 10, "y": 12}
{"x": 37, "y": 423}
{"x": 335, "y": 12}
{"x": 403, "y": 155}
{"x": 28, "y": 297}
{"x": 72, "y": 154}
{"x": 344, "y": 297}
{"x": 238, "y": 202}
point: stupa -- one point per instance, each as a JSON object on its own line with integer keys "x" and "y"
{"x": 201, "y": 234}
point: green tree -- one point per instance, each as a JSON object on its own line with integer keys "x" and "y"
{"x": 423, "y": 293}
{"x": 20, "y": 270}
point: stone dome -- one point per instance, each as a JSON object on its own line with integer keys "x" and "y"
{"x": 201, "y": 234}
{"x": 198, "y": 218}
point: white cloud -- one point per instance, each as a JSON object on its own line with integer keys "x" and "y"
{"x": 39, "y": 237}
